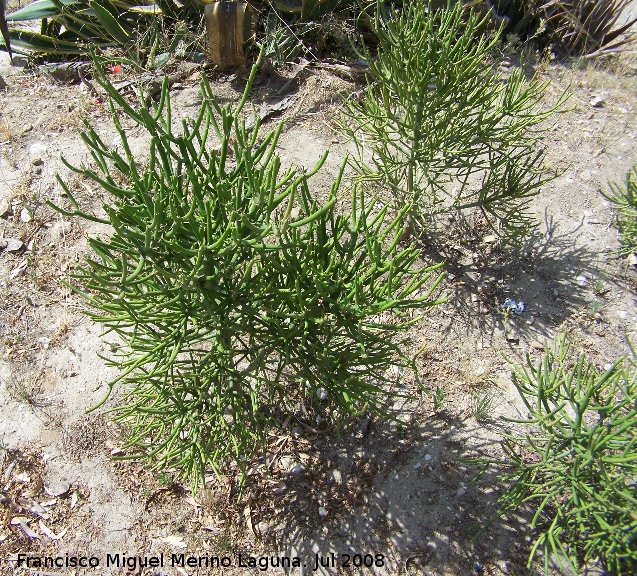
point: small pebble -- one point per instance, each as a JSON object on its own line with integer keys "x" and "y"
{"x": 427, "y": 457}
{"x": 56, "y": 489}
{"x": 298, "y": 468}
{"x": 597, "y": 101}
{"x": 263, "y": 528}
{"x": 14, "y": 245}
{"x": 25, "y": 215}
{"x": 322, "y": 511}
{"x": 582, "y": 280}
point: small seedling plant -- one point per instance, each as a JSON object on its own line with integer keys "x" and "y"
{"x": 576, "y": 468}
{"x": 439, "y": 128}
{"x": 235, "y": 291}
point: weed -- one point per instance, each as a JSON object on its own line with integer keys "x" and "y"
{"x": 485, "y": 402}
{"x": 165, "y": 479}
{"x": 439, "y": 398}
{"x": 596, "y": 307}
{"x": 600, "y": 286}
{"x": 27, "y": 390}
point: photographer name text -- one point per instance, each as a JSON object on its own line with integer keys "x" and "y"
{"x": 262, "y": 563}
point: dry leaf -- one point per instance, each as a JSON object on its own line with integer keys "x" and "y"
{"x": 9, "y": 469}
{"x": 22, "y": 522}
{"x": 57, "y": 488}
{"x": 48, "y": 532}
{"x": 177, "y": 541}
{"x": 247, "y": 512}
{"x": 279, "y": 488}
{"x": 193, "y": 502}
{"x": 34, "y": 507}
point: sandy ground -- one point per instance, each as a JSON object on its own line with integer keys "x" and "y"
{"x": 397, "y": 496}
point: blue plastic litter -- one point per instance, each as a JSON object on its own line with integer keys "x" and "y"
{"x": 513, "y": 306}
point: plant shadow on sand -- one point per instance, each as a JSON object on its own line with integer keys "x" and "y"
{"x": 395, "y": 496}
{"x": 552, "y": 273}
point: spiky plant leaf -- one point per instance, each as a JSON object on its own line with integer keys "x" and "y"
{"x": 568, "y": 27}
{"x": 89, "y": 23}
{"x": 577, "y": 27}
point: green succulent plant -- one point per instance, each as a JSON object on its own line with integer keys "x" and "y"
{"x": 440, "y": 129}
{"x": 235, "y": 291}
{"x": 624, "y": 201}
{"x": 576, "y": 467}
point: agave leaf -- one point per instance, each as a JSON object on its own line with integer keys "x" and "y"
{"x": 4, "y": 28}
{"x": 168, "y": 7}
{"x": 46, "y": 44}
{"x": 307, "y": 7}
{"x": 51, "y": 8}
{"x": 81, "y": 29}
{"x": 40, "y": 9}
{"x": 288, "y": 6}
{"x": 110, "y": 24}
{"x": 152, "y": 9}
